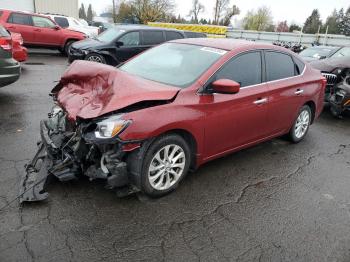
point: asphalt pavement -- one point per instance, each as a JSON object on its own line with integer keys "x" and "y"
{"x": 273, "y": 202}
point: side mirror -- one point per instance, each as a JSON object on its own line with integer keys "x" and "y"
{"x": 225, "y": 86}
{"x": 119, "y": 44}
{"x": 56, "y": 27}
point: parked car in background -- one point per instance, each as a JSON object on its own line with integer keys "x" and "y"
{"x": 39, "y": 30}
{"x": 74, "y": 24}
{"x": 144, "y": 125}
{"x": 322, "y": 52}
{"x": 119, "y": 43}
{"x": 20, "y": 53}
{"x": 337, "y": 71}
{"x": 10, "y": 69}
{"x": 102, "y": 25}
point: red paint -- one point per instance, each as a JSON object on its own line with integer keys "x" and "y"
{"x": 40, "y": 36}
{"x": 219, "y": 123}
{"x": 19, "y": 52}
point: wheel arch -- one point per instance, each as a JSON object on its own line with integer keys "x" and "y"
{"x": 312, "y": 106}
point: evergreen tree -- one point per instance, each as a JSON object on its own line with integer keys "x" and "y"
{"x": 332, "y": 23}
{"x": 313, "y": 23}
{"x": 344, "y": 22}
{"x": 294, "y": 27}
{"x": 82, "y": 13}
{"x": 90, "y": 15}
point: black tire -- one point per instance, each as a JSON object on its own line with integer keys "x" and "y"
{"x": 93, "y": 57}
{"x": 67, "y": 46}
{"x": 293, "y": 134}
{"x": 139, "y": 163}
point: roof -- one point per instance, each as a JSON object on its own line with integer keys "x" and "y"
{"x": 143, "y": 27}
{"x": 222, "y": 43}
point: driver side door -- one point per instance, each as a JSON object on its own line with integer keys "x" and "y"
{"x": 46, "y": 31}
{"x": 236, "y": 120}
{"x": 130, "y": 47}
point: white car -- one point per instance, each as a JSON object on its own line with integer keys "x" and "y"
{"x": 74, "y": 24}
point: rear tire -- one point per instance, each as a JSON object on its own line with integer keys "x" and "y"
{"x": 67, "y": 46}
{"x": 301, "y": 125}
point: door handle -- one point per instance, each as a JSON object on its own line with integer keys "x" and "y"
{"x": 37, "y": 30}
{"x": 260, "y": 101}
{"x": 299, "y": 91}
{"x": 11, "y": 27}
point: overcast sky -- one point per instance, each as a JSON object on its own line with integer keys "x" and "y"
{"x": 290, "y": 10}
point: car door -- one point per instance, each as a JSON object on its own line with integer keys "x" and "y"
{"x": 130, "y": 46}
{"x": 235, "y": 120}
{"x": 286, "y": 90}
{"x": 46, "y": 32}
{"x": 22, "y": 24}
{"x": 151, "y": 38}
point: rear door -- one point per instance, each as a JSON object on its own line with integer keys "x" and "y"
{"x": 130, "y": 47}
{"x": 235, "y": 120}
{"x": 46, "y": 32}
{"x": 286, "y": 90}
{"x": 172, "y": 35}
{"x": 23, "y": 24}
{"x": 151, "y": 38}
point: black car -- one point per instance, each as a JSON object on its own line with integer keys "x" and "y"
{"x": 9, "y": 68}
{"x": 102, "y": 25}
{"x": 120, "y": 43}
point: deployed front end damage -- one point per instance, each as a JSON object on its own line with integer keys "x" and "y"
{"x": 67, "y": 152}
{"x": 81, "y": 134}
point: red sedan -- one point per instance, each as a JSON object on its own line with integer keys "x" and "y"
{"x": 144, "y": 125}
{"x": 19, "y": 51}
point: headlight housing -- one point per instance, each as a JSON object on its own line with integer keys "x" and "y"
{"x": 111, "y": 127}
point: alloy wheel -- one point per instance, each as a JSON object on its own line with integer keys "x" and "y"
{"x": 166, "y": 167}
{"x": 302, "y": 124}
{"x": 94, "y": 58}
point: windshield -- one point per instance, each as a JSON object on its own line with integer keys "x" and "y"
{"x": 110, "y": 34}
{"x": 345, "y": 51}
{"x": 316, "y": 52}
{"x": 173, "y": 64}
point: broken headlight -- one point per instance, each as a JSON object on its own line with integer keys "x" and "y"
{"x": 111, "y": 127}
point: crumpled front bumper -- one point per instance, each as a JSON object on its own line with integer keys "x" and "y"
{"x": 66, "y": 163}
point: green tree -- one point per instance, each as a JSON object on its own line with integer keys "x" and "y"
{"x": 82, "y": 13}
{"x": 344, "y": 23}
{"x": 125, "y": 13}
{"x": 313, "y": 23}
{"x": 89, "y": 15}
{"x": 259, "y": 20}
{"x": 332, "y": 23}
{"x": 151, "y": 10}
{"x": 294, "y": 27}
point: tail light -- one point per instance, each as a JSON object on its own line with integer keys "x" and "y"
{"x": 6, "y": 44}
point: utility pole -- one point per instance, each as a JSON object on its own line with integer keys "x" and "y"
{"x": 113, "y": 10}
{"x": 216, "y": 11}
{"x": 34, "y": 6}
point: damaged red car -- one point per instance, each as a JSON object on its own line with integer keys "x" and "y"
{"x": 144, "y": 125}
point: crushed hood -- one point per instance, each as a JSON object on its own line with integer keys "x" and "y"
{"x": 89, "y": 89}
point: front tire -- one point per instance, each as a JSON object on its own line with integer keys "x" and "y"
{"x": 95, "y": 58}
{"x": 67, "y": 47}
{"x": 164, "y": 164}
{"x": 301, "y": 125}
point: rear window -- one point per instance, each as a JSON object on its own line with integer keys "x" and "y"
{"x": 152, "y": 37}
{"x": 20, "y": 19}
{"x": 171, "y": 35}
{"x": 62, "y": 21}
{"x": 4, "y": 32}
{"x": 279, "y": 66}
{"x": 299, "y": 65}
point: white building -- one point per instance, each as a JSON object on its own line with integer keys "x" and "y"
{"x": 62, "y": 7}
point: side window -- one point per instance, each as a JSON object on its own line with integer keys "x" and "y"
{"x": 62, "y": 21}
{"x": 299, "y": 66}
{"x": 19, "y": 19}
{"x": 130, "y": 39}
{"x": 170, "y": 35}
{"x": 152, "y": 37}
{"x": 278, "y": 65}
{"x": 244, "y": 69}
{"x": 42, "y": 22}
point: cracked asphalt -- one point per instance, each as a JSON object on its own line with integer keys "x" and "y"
{"x": 274, "y": 202}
